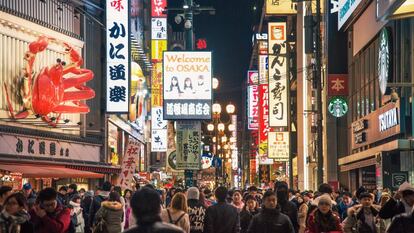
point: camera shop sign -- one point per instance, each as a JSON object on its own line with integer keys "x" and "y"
{"x": 36, "y": 147}
{"x": 376, "y": 126}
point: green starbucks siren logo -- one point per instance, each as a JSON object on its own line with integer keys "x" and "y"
{"x": 338, "y": 107}
{"x": 383, "y": 60}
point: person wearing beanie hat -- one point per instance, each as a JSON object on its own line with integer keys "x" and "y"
{"x": 363, "y": 218}
{"x": 403, "y": 202}
{"x": 196, "y": 210}
{"x": 323, "y": 219}
{"x": 30, "y": 195}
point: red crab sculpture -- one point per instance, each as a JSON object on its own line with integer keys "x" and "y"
{"x": 48, "y": 92}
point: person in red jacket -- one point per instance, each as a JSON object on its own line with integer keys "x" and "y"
{"x": 323, "y": 219}
{"x": 47, "y": 215}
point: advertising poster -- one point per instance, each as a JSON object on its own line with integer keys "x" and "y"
{"x": 118, "y": 56}
{"x": 278, "y": 76}
{"x": 263, "y": 119}
{"x": 188, "y": 145}
{"x": 253, "y": 107}
{"x": 129, "y": 163}
{"x": 187, "y": 85}
{"x": 279, "y": 146}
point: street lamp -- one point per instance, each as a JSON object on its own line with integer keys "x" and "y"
{"x": 210, "y": 127}
{"x": 230, "y": 108}
{"x": 221, "y": 127}
{"x": 216, "y": 109}
{"x": 232, "y": 128}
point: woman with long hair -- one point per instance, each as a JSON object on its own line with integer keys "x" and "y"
{"x": 14, "y": 217}
{"x": 174, "y": 86}
{"x": 250, "y": 209}
{"x": 302, "y": 213}
{"x": 323, "y": 219}
{"x": 177, "y": 213}
{"x": 128, "y": 210}
{"x": 111, "y": 213}
{"x": 188, "y": 86}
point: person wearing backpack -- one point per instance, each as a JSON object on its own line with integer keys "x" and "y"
{"x": 177, "y": 212}
{"x": 101, "y": 196}
{"x": 109, "y": 217}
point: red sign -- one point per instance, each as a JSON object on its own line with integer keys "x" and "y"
{"x": 253, "y": 77}
{"x": 254, "y": 136}
{"x": 337, "y": 85}
{"x": 201, "y": 44}
{"x": 158, "y": 7}
{"x": 263, "y": 118}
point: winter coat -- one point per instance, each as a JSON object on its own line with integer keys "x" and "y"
{"x": 127, "y": 215}
{"x": 270, "y": 221}
{"x": 302, "y": 214}
{"x": 222, "y": 218}
{"x": 18, "y": 223}
{"x": 157, "y": 227}
{"x": 77, "y": 212}
{"x": 95, "y": 206}
{"x": 343, "y": 209}
{"x": 112, "y": 212}
{"x": 56, "y": 222}
{"x": 196, "y": 213}
{"x": 403, "y": 223}
{"x": 245, "y": 219}
{"x": 86, "y": 206}
{"x": 318, "y": 223}
{"x": 176, "y": 217}
{"x": 291, "y": 210}
{"x": 391, "y": 209}
{"x": 356, "y": 223}
{"x": 31, "y": 200}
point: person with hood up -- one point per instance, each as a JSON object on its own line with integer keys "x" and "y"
{"x": 196, "y": 210}
{"x": 286, "y": 207}
{"x": 49, "y": 216}
{"x": 403, "y": 202}
{"x": 102, "y": 195}
{"x": 14, "y": 217}
{"x": 111, "y": 213}
{"x": 250, "y": 209}
{"x": 323, "y": 219}
{"x": 76, "y": 214}
{"x": 363, "y": 218}
{"x": 403, "y": 223}
{"x": 270, "y": 219}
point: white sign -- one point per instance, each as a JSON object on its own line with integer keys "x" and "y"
{"x": 278, "y": 76}
{"x": 187, "y": 85}
{"x": 117, "y": 56}
{"x": 346, "y": 8}
{"x": 159, "y": 28}
{"x": 278, "y": 146}
{"x": 159, "y": 140}
{"x": 32, "y": 147}
{"x": 263, "y": 69}
{"x": 388, "y": 119}
{"x": 157, "y": 119}
{"x": 253, "y": 107}
{"x": 129, "y": 164}
{"x": 188, "y": 145}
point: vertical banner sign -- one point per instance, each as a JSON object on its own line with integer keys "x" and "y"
{"x": 117, "y": 56}
{"x": 188, "y": 145}
{"x": 263, "y": 69}
{"x": 187, "y": 85}
{"x": 159, "y": 130}
{"x": 233, "y": 141}
{"x": 278, "y": 76}
{"x": 279, "y": 146}
{"x": 156, "y": 85}
{"x": 264, "y": 174}
{"x": 337, "y": 85}
{"x": 159, "y": 28}
{"x": 157, "y": 48}
{"x": 129, "y": 163}
{"x": 253, "y": 107}
{"x": 158, "y": 8}
{"x": 263, "y": 119}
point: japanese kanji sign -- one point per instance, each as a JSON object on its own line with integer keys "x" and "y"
{"x": 188, "y": 145}
{"x": 278, "y": 146}
{"x": 129, "y": 163}
{"x": 337, "y": 85}
{"x": 278, "y": 76}
{"x": 156, "y": 85}
{"x": 157, "y": 8}
{"x": 157, "y": 48}
{"x": 159, "y": 28}
{"x": 118, "y": 56}
{"x": 263, "y": 118}
{"x": 280, "y": 7}
{"x": 159, "y": 140}
{"x": 263, "y": 69}
{"x": 187, "y": 85}
{"x": 253, "y": 107}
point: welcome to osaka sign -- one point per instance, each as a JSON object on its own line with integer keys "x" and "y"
{"x": 187, "y": 85}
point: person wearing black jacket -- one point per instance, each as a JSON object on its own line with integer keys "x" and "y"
{"x": 222, "y": 217}
{"x": 86, "y": 205}
{"x": 286, "y": 207}
{"x": 196, "y": 210}
{"x": 403, "y": 223}
{"x": 103, "y": 195}
{"x": 146, "y": 207}
{"x": 249, "y": 210}
{"x": 403, "y": 202}
{"x": 270, "y": 219}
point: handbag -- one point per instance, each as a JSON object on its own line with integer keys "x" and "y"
{"x": 100, "y": 226}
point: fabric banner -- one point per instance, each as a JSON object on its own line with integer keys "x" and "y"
{"x": 188, "y": 145}
{"x": 129, "y": 163}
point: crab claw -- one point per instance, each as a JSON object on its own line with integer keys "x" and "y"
{"x": 40, "y": 44}
{"x": 75, "y": 58}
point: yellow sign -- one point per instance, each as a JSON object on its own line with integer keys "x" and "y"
{"x": 157, "y": 48}
{"x": 156, "y": 85}
{"x": 280, "y": 7}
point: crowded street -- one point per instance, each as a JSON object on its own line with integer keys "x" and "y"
{"x": 206, "y": 116}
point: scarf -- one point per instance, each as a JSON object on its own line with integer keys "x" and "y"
{"x": 11, "y": 223}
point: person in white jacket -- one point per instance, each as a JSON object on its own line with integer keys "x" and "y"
{"x": 76, "y": 213}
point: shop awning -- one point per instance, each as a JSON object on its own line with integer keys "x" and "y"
{"x": 48, "y": 171}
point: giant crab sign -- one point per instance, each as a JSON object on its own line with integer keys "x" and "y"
{"x": 47, "y": 92}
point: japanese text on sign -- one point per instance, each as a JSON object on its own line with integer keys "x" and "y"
{"x": 158, "y": 8}
{"x": 263, "y": 118}
{"x": 129, "y": 163}
{"x": 188, "y": 145}
{"x": 279, "y": 146}
{"x": 253, "y": 106}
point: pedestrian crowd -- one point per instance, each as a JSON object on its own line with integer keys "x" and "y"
{"x": 109, "y": 209}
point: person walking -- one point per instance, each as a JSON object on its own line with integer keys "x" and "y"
{"x": 101, "y": 196}
{"x": 250, "y": 209}
{"x": 49, "y": 216}
{"x": 72, "y": 192}
{"x": 146, "y": 209}
{"x": 323, "y": 219}
{"x": 237, "y": 200}
{"x": 222, "y": 217}
{"x": 5, "y": 191}
{"x": 196, "y": 210}
{"x": 76, "y": 214}
{"x": 14, "y": 217}
{"x": 110, "y": 214}
{"x": 177, "y": 213}
{"x": 403, "y": 202}
{"x": 128, "y": 210}
{"x": 345, "y": 204}
{"x": 30, "y": 195}
{"x": 86, "y": 205}
{"x": 302, "y": 213}
{"x": 403, "y": 223}
{"x": 270, "y": 219}
{"x": 286, "y": 207}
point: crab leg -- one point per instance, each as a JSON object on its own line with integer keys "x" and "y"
{"x": 79, "y": 95}
{"x": 82, "y": 108}
{"x": 82, "y": 76}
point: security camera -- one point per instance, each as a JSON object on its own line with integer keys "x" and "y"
{"x": 188, "y": 24}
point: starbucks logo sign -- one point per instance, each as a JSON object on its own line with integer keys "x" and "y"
{"x": 383, "y": 60}
{"x": 338, "y": 107}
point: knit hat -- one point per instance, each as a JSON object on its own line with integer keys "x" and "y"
{"x": 193, "y": 193}
{"x": 27, "y": 186}
{"x": 325, "y": 198}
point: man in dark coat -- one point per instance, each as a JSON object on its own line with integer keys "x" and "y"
{"x": 146, "y": 207}
{"x": 196, "y": 210}
{"x": 286, "y": 207}
{"x": 222, "y": 217}
{"x": 403, "y": 223}
{"x": 270, "y": 219}
{"x": 403, "y": 202}
{"x": 102, "y": 195}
